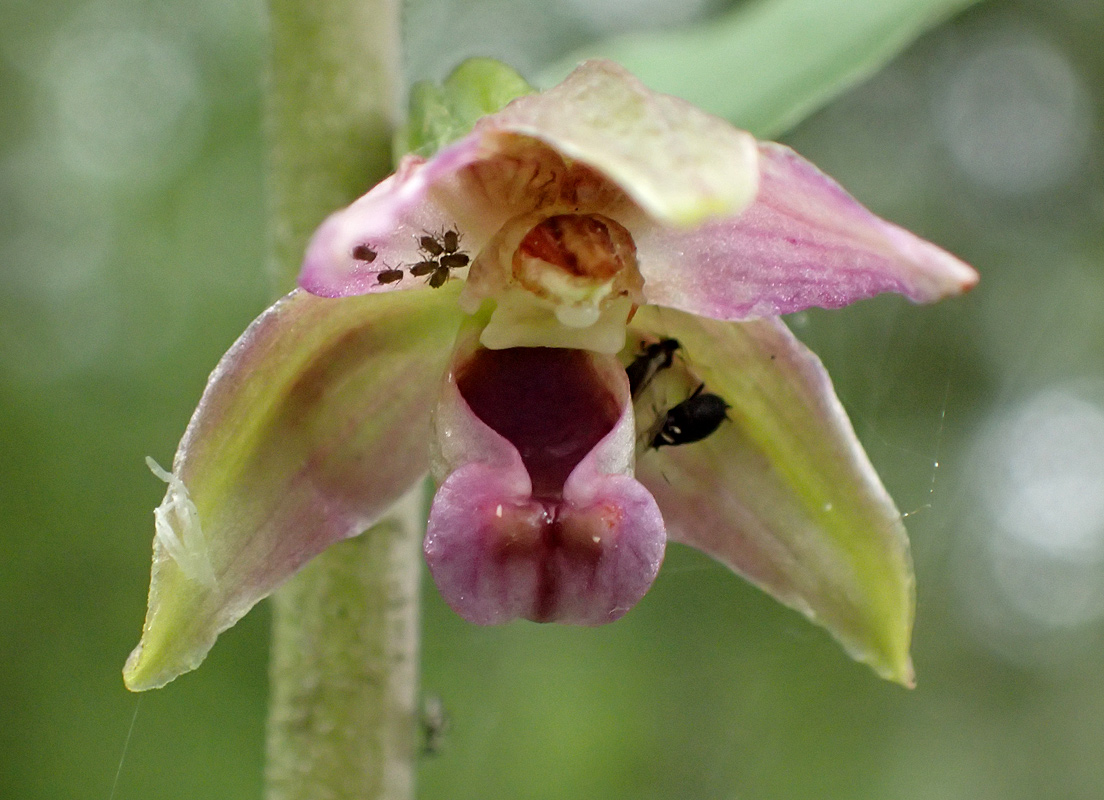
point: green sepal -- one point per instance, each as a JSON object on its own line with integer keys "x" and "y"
{"x": 442, "y": 114}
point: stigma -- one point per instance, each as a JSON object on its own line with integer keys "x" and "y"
{"x": 558, "y": 280}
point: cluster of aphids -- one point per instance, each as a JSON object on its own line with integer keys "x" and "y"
{"x": 692, "y": 420}
{"x": 441, "y": 254}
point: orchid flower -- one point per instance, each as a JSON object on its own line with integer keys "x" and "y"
{"x": 473, "y": 316}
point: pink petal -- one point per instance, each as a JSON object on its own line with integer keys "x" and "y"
{"x": 584, "y": 552}
{"x": 803, "y": 242}
{"x": 679, "y": 164}
{"x": 386, "y": 225}
{"x": 312, "y": 424}
{"x": 783, "y": 493}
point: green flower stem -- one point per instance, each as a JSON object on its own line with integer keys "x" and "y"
{"x": 345, "y": 639}
{"x": 344, "y": 669}
{"x": 332, "y": 105}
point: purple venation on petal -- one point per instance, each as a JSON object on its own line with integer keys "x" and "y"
{"x": 538, "y": 527}
{"x": 803, "y": 242}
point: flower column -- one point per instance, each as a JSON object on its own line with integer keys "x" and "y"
{"x": 344, "y": 652}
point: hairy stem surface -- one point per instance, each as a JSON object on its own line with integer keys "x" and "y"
{"x": 345, "y": 639}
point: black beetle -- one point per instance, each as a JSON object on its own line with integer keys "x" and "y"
{"x": 655, "y": 358}
{"x": 692, "y": 420}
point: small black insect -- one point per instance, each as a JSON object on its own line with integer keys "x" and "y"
{"x": 439, "y": 277}
{"x": 435, "y": 724}
{"x": 692, "y": 420}
{"x": 440, "y": 244}
{"x": 363, "y": 252}
{"x": 423, "y": 268}
{"x": 655, "y": 358}
{"x": 389, "y": 275}
{"x": 454, "y": 260}
{"x": 443, "y": 251}
{"x": 431, "y": 245}
{"x": 451, "y": 240}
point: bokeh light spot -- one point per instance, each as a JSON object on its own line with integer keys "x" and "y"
{"x": 1032, "y": 574}
{"x": 127, "y": 104}
{"x": 1012, "y": 112}
{"x": 1044, "y": 475}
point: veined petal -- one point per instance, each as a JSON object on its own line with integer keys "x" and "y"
{"x": 783, "y": 493}
{"x": 803, "y": 242}
{"x": 382, "y": 231}
{"x": 538, "y": 515}
{"x": 680, "y": 164}
{"x": 312, "y": 424}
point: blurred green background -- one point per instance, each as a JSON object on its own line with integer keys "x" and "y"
{"x": 131, "y": 257}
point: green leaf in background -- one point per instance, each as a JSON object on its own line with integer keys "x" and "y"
{"x": 442, "y": 114}
{"x": 769, "y": 63}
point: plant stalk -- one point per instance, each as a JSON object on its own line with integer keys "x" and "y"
{"x": 345, "y": 637}
{"x": 342, "y": 713}
{"x": 332, "y": 102}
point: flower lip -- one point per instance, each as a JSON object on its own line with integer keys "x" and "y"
{"x": 537, "y": 515}
{"x": 549, "y": 403}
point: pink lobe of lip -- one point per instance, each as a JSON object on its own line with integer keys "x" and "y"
{"x": 537, "y": 528}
